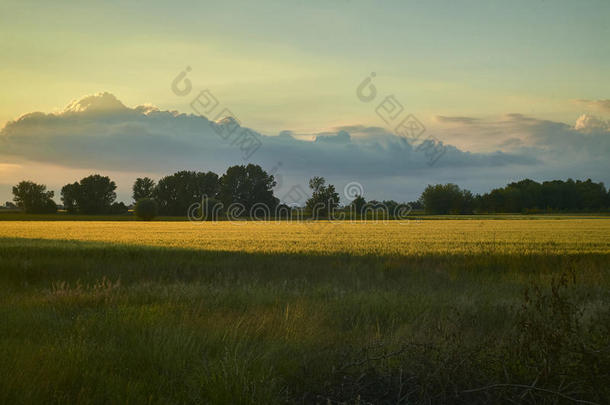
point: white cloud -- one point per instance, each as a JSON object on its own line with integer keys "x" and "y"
{"x": 99, "y": 133}
{"x": 96, "y": 103}
{"x": 590, "y": 123}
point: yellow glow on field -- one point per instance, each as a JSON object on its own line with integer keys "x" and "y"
{"x": 412, "y": 238}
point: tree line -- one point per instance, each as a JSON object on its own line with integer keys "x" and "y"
{"x": 525, "y": 196}
{"x": 172, "y": 195}
{"x": 250, "y": 185}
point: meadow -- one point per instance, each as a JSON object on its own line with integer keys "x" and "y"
{"x": 478, "y": 310}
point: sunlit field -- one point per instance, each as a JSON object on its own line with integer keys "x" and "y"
{"x": 433, "y": 311}
{"x": 413, "y": 237}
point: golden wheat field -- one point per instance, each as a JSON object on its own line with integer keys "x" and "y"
{"x": 360, "y": 237}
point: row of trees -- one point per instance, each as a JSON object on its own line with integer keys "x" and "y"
{"x": 245, "y": 185}
{"x": 250, "y": 185}
{"x": 95, "y": 194}
{"x": 556, "y": 195}
{"x": 525, "y": 196}
{"x": 92, "y": 195}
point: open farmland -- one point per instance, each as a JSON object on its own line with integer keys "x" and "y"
{"x": 451, "y": 311}
{"x": 402, "y": 238}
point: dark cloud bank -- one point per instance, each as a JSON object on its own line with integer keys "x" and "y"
{"x": 100, "y": 132}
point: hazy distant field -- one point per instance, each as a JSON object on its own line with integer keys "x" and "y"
{"x": 451, "y": 311}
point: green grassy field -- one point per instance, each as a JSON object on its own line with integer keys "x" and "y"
{"x": 447, "y": 311}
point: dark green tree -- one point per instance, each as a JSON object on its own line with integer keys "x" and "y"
{"x": 247, "y": 185}
{"x": 143, "y": 187}
{"x": 95, "y": 194}
{"x": 146, "y": 209}
{"x": 447, "y": 199}
{"x": 416, "y": 205}
{"x": 556, "y": 195}
{"x": 92, "y": 195}
{"x": 593, "y": 195}
{"x": 390, "y": 206}
{"x": 324, "y": 199}
{"x": 177, "y": 192}
{"x": 118, "y": 208}
{"x": 357, "y": 204}
{"x": 34, "y": 198}
{"x": 70, "y": 196}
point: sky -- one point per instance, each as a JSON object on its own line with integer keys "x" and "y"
{"x": 511, "y": 90}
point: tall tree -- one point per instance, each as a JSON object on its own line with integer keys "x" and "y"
{"x": 447, "y": 199}
{"x": 92, "y": 195}
{"x": 357, "y": 204}
{"x": 143, "y": 187}
{"x": 96, "y": 194}
{"x": 69, "y": 197}
{"x": 324, "y": 199}
{"x": 247, "y": 185}
{"x": 34, "y": 198}
{"x": 176, "y": 193}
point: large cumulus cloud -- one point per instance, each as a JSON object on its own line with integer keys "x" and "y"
{"x": 100, "y": 132}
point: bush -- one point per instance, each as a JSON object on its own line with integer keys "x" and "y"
{"x": 146, "y": 209}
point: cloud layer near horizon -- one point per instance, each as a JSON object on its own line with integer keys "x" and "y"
{"x": 100, "y": 133}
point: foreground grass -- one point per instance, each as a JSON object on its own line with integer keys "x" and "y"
{"x": 89, "y": 321}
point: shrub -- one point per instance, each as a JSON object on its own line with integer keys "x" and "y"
{"x": 146, "y": 209}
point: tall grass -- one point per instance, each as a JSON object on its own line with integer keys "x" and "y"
{"x": 93, "y": 322}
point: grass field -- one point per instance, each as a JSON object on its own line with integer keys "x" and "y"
{"x": 444, "y": 311}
